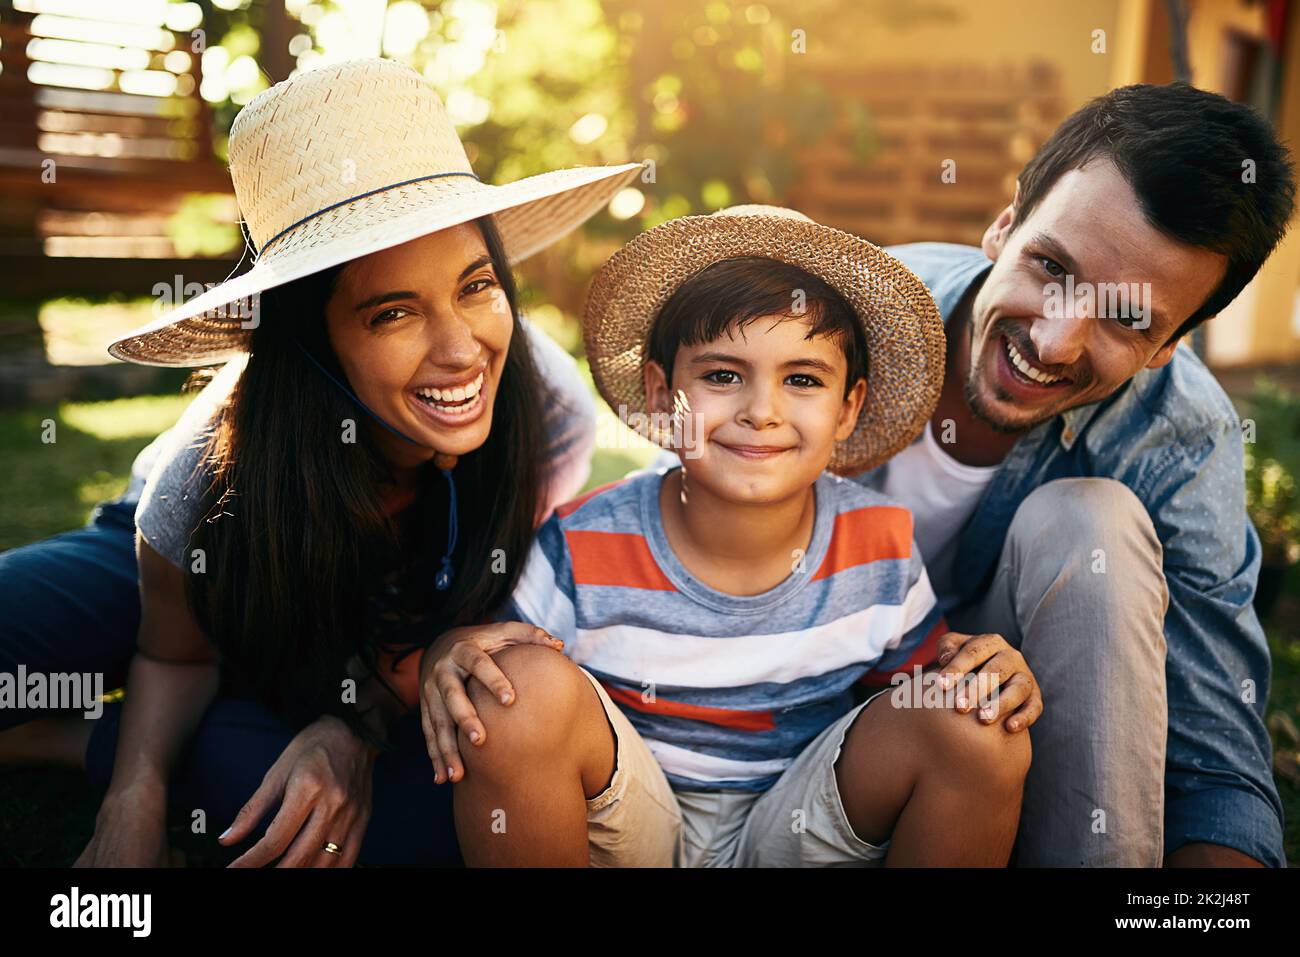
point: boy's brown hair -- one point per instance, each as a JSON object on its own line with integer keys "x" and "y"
{"x": 732, "y": 293}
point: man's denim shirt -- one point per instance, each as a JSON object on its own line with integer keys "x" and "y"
{"x": 1172, "y": 436}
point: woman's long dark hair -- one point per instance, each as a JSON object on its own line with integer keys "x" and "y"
{"x": 296, "y": 540}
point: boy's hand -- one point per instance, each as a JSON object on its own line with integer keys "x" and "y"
{"x": 444, "y": 703}
{"x": 1000, "y": 674}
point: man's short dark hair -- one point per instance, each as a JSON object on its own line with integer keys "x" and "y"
{"x": 732, "y": 293}
{"x": 1184, "y": 153}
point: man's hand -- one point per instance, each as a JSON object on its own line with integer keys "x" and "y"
{"x": 323, "y": 783}
{"x": 999, "y": 671}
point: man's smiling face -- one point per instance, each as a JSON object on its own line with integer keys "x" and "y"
{"x": 1029, "y": 359}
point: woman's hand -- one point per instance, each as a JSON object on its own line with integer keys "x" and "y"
{"x": 444, "y": 703}
{"x": 130, "y": 831}
{"x": 323, "y": 783}
{"x": 999, "y": 676}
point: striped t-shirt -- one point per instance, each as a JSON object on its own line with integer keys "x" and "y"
{"x": 727, "y": 689}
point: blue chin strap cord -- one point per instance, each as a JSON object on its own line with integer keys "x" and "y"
{"x": 441, "y": 581}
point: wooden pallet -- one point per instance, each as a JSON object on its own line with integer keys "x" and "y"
{"x": 122, "y": 164}
{"x": 884, "y": 181}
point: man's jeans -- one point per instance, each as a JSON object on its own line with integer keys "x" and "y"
{"x": 1081, "y": 592}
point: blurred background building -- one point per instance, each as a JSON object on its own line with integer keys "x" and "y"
{"x": 113, "y": 118}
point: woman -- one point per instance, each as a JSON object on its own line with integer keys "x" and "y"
{"x": 371, "y": 481}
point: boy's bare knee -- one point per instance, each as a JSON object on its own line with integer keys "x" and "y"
{"x": 540, "y": 673}
{"x": 962, "y": 743}
{"x": 548, "y": 690}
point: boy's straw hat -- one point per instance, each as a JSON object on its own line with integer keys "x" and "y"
{"x": 900, "y": 322}
{"x": 343, "y": 161}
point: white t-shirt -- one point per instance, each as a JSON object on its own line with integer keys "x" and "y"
{"x": 941, "y": 494}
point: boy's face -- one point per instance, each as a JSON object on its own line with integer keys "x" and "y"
{"x": 768, "y": 406}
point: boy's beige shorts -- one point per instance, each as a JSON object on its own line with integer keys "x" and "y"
{"x": 799, "y": 822}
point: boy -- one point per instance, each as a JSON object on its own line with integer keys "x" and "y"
{"x": 722, "y": 611}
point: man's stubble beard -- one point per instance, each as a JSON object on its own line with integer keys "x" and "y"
{"x": 975, "y": 402}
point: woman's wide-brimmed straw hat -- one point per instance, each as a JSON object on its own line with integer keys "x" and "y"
{"x": 900, "y": 322}
{"x": 343, "y": 161}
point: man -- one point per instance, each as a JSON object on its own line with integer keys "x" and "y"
{"x": 1079, "y": 489}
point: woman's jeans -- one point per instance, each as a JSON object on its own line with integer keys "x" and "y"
{"x": 71, "y": 604}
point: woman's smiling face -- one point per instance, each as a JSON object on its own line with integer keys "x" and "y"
{"x": 422, "y": 331}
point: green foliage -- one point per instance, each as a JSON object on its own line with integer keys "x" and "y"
{"x": 723, "y": 98}
{"x": 711, "y": 93}
{"x": 1272, "y": 465}
{"x": 198, "y": 229}
{"x": 726, "y": 100}
{"x": 1284, "y": 695}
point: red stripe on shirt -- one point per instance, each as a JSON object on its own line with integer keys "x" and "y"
{"x": 723, "y": 717}
{"x": 614, "y": 558}
{"x": 867, "y": 535}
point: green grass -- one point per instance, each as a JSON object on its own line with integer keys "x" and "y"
{"x": 51, "y": 486}
{"x": 46, "y": 817}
